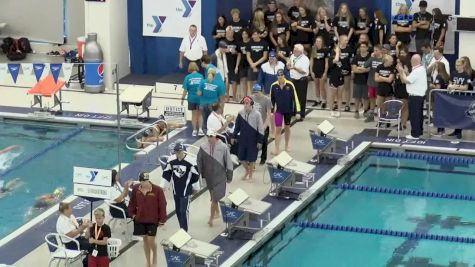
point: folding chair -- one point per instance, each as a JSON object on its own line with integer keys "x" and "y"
{"x": 390, "y": 112}
{"x": 59, "y": 252}
{"x": 123, "y": 219}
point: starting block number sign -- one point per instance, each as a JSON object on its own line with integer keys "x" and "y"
{"x": 175, "y": 114}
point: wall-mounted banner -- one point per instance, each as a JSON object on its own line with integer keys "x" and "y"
{"x": 14, "y": 71}
{"x": 454, "y": 110}
{"x": 38, "y": 69}
{"x": 447, "y": 8}
{"x": 170, "y": 18}
{"x": 55, "y": 70}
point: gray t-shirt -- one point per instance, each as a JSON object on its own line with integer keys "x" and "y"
{"x": 262, "y": 104}
{"x": 372, "y": 64}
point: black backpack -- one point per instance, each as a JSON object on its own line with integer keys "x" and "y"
{"x": 7, "y": 43}
{"x": 25, "y": 45}
{"x": 15, "y": 52}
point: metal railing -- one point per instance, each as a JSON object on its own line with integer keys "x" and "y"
{"x": 137, "y": 139}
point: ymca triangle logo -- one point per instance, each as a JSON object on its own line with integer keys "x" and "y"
{"x": 93, "y": 175}
{"x": 159, "y": 20}
{"x": 188, "y": 4}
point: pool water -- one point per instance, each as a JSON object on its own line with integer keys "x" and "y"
{"x": 295, "y": 246}
{"x": 44, "y": 161}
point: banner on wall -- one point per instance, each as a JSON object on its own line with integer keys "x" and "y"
{"x": 312, "y": 5}
{"x": 170, "y": 18}
{"x": 454, "y": 110}
{"x": 447, "y": 8}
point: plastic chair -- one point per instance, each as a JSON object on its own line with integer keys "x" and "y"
{"x": 390, "y": 112}
{"x": 113, "y": 247}
{"x": 113, "y": 220}
{"x": 59, "y": 252}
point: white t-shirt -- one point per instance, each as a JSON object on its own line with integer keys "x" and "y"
{"x": 215, "y": 121}
{"x": 444, "y": 61}
{"x": 116, "y": 191}
{"x": 193, "y": 47}
{"x": 300, "y": 62}
{"x": 65, "y": 225}
{"x": 417, "y": 81}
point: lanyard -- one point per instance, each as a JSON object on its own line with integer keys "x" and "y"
{"x": 192, "y": 41}
{"x": 96, "y": 232}
{"x": 296, "y": 59}
{"x": 415, "y": 67}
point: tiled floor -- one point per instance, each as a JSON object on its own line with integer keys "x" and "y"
{"x": 345, "y": 128}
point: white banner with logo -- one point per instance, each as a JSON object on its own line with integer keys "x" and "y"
{"x": 170, "y": 18}
{"x": 447, "y": 8}
{"x": 176, "y": 114}
{"x": 92, "y": 182}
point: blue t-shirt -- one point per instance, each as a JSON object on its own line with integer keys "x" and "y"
{"x": 192, "y": 84}
{"x": 211, "y": 91}
{"x": 218, "y": 72}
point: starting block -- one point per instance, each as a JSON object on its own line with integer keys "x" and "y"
{"x": 325, "y": 144}
{"x": 47, "y": 88}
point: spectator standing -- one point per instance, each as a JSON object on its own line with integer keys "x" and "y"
{"x": 270, "y": 12}
{"x": 232, "y": 58}
{"x": 422, "y": 22}
{"x": 319, "y": 71}
{"x": 400, "y": 90}
{"x": 219, "y": 31}
{"x": 336, "y": 82}
{"x": 379, "y": 27}
{"x": 293, "y": 12}
{"x": 416, "y": 85}
{"x": 268, "y": 72}
{"x": 440, "y": 81}
{"x": 211, "y": 91}
{"x": 263, "y": 105}
{"x": 191, "y": 86}
{"x": 277, "y": 27}
{"x": 373, "y": 63}
{"x": 257, "y": 51}
{"x": 402, "y": 23}
{"x": 467, "y": 67}
{"x": 147, "y": 207}
{"x": 459, "y": 81}
{"x": 346, "y": 54}
{"x": 385, "y": 78}
{"x": 243, "y": 63}
{"x": 360, "y": 79}
{"x": 182, "y": 174}
{"x": 438, "y": 57}
{"x": 343, "y": 23}
{"x": 303, "y": 29}
{"x": 362, "y": 24}
{"x": 237, "y": 23}
{"x": 440, "y": 28}
{"x": 215, "y": 166}
{"x": 192, "y": 48}
{"x": 299, "y": 66}
{"x": 323, "y": 26}
{"x": 283, "y": 50}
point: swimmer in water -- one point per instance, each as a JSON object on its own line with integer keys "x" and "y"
{"x": 9, "y": 187}
{"x": 8, "y": 149}
{"x": 49, "y": 199}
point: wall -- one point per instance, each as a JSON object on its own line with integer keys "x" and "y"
{"x": 109, "y": 20}
{"x": 467, "y": 9}
{"x": 75, "y": 14}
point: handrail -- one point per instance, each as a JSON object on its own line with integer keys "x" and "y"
{"x": 134, "y": 136}
{"x": 430, "y": 103}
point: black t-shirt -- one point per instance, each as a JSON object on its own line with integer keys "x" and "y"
{"x": 286, "y": 52}
{"x": 293, "y": 13}
{"x": 384, "y": 72}
{"x": 376, "y": 27}
{"x": 403, "y": 21}
{"x": 460, "y": 78}
{"x": 359, "y": 61}
{"x": 421, "y": 33}
{"x": 361, "y": 24}
{"x": 345, "y": 58}
{"x": 257, "y": 49}
{"x": 393, "y": 53}
{"x": 302, "y": 36}
{"x": 230, "y": 57}
{"x": 343, "y": 25}
{"x": 280, "y": 28}
{"x": 269, "y": 16}
{"x": 242, "y": 46}
{"x": 400, "y": 90}
{"x": 439, "y": 80}
{"x": 104, "y": 231}
{"x": 319, "y": 56}
{"x": 322, "y": 31}
{"x": 238, "y": 27}
{"x": 219, "y": 29}
{"x": 439, "y": 25}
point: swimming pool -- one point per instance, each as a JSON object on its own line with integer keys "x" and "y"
{"x": 312, "y": 246}
{"x": 44, "y": 161}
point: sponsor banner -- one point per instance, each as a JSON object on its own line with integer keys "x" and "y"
{"x": 454, "y": 110}
{"x": 92, "y": 176}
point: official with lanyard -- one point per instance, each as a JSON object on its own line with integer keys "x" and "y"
{"x": 299, "y": 66}
{"x": 192, "y": 48}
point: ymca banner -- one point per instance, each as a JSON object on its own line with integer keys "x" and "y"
{"x": 170, "y": 18}
{"x": 454, "y": 110}
{"x": 447, "y": 8}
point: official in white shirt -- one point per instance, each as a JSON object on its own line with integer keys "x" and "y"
{"x": 192, "y": 48}
{"x": 299, "y": 67}
{"x": 67, "y": 225}
{"x": 416, "y": 85}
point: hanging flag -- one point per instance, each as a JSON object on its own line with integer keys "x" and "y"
{"x": 3, "y": 71}
{"x": 14, "y": 70}
{"x": 55, "y": 70}
{"x": 38, "y": 68}
{"x": 67, "y": 70}
{"x": 27, "y": 68}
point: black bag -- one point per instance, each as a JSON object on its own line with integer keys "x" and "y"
{"x": 7, "y": 43}
{"x": 15, "y": 52}
{"x": 24, "y": 44}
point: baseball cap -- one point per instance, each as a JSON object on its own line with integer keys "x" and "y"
{"x": 256, "y": 88}
{"x": 211, "y": 133}
{"x": 387, "y": 47}
{"x": 222, "y": 44}
{"x": 280, "y": 72}
{"x": 144, "y": 176}
{"x": 271, "y": 2}
{"x": 423, "y": 3}
{"x": 179, "y": 147}
{"x": 272, "y": 54}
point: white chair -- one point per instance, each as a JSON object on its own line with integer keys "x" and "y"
{"x": 113, "y": 247}
{"x": 59, "y": 252}
{"x": 390, "y": 112}
{"x": 113, "y": 220}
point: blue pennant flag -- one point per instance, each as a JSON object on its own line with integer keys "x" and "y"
{"x": 55, "y": 70}
{"x": 38, "y": 69}
{"x": 14, "y": 71}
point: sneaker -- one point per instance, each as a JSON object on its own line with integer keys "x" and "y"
{"x": 369, "y": 118}
{"x": 410, "y": 137}
{"x": 357, "y": 115}
{"x": 324, "y": 105}
{"x": 262, "y": 162}
{"x": 194, "y": 133}
{"x": 201, "y": 133}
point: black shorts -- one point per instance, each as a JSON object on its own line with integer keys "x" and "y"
{"x": 336, "y": 78}
{"x": 243, "y": 72}
{"x": 193, "y": 106}
{"x": 384, "y": 92}
{"x": 251, "y": 75}
{"x": 232, "y": 76}
{"x": 318, "y": 71}
{"x": 148, "y": 229}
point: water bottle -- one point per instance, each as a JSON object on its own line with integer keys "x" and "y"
{"x": 94, "y": 67}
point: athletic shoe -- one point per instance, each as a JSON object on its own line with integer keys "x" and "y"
{"x": 194, "y": 133}
{"x": 201, "y": 133}
{"x": 262, "y": 162}
{"x": 410, "y": 137}
{"x": 324, "y": 105}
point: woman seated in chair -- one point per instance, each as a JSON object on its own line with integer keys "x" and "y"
{"x": 120, "y": 197}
